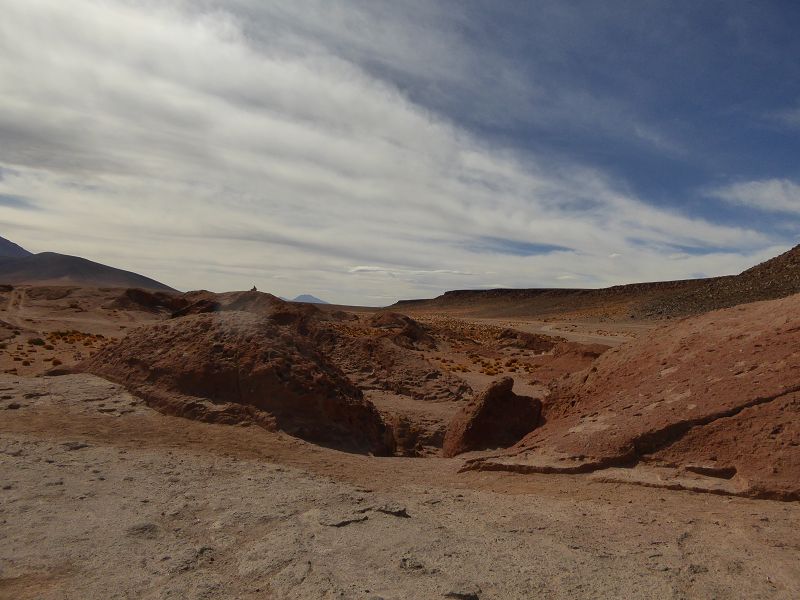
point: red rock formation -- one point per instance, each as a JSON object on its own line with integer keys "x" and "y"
{"x": 714, "y": 394}
{"x": 403, "y": 331}
{"x": 565, "y": 358}
{"x": 380, "y": 363}
{"x": 149, "y": 301}
{"x": 198, "y": 307}
{"x": 237, "y": 366}
{"x": 528, "y": 341}
{"x": 495, "y": 418}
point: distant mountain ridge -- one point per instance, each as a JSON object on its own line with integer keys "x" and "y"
{"x": 309, "y": 299}
{"x": 9, "y": 249}
{"x": 18, "y": 266}
{"x": 775, "y": 278}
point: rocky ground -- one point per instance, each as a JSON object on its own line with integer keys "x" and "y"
{"x": 200, "y": 355}
{"x": 103, "y": 497}
{"x": 107, "y": 494}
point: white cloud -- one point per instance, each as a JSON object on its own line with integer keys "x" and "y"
{"x": 772, "y": 195}
{"x": 790, "y": 116}
{"x": 395, "y": 272}
{"x": 178, "y": 143}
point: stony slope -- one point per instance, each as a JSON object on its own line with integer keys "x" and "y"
{"x": 617, "y": 302}
{"x": 717, "y": 395}
{"x": 776, "y": 278}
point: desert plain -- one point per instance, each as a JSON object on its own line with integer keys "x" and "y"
{"x": 639, "y": 442}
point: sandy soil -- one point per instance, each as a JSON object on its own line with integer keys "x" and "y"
{"x": 584, "y": 332}
{"x": 104, "y": 498}
{"x": 65, "y": 324}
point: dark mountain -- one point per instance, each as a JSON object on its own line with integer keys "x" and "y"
{"x": 53, "y": 269}
{"x": 11, "y": 250}
{"x": 776, "y": 278}
{"x": 309, "y": 299}
{"x": 617, "y": 302}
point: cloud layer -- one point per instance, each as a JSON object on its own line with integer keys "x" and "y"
{"x": 772, "y": 195}
{"x": 268, "y": 143}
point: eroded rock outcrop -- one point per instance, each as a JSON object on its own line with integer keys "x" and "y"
{"x": 378, "y": 363}
{"x": 238, "y": 366}
{"x": 403, "y": 331}
{"x": 715, "y": 394}
{"x": 527, "y": 341}
{"x": 148, "y": 301}
{"x": 565, "y": 358}
{"x": 495, "y": 418}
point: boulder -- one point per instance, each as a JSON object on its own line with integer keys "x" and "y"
{"x": 403, "y": 331}
{"x": 495, "y": 418}
{"x": 527, "y": 341}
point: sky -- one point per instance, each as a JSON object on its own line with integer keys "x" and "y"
{"x": 365, "y": 151}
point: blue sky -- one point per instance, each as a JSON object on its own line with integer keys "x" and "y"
{"x": 677, "y": 99}
{"x": 366, "y": 151}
